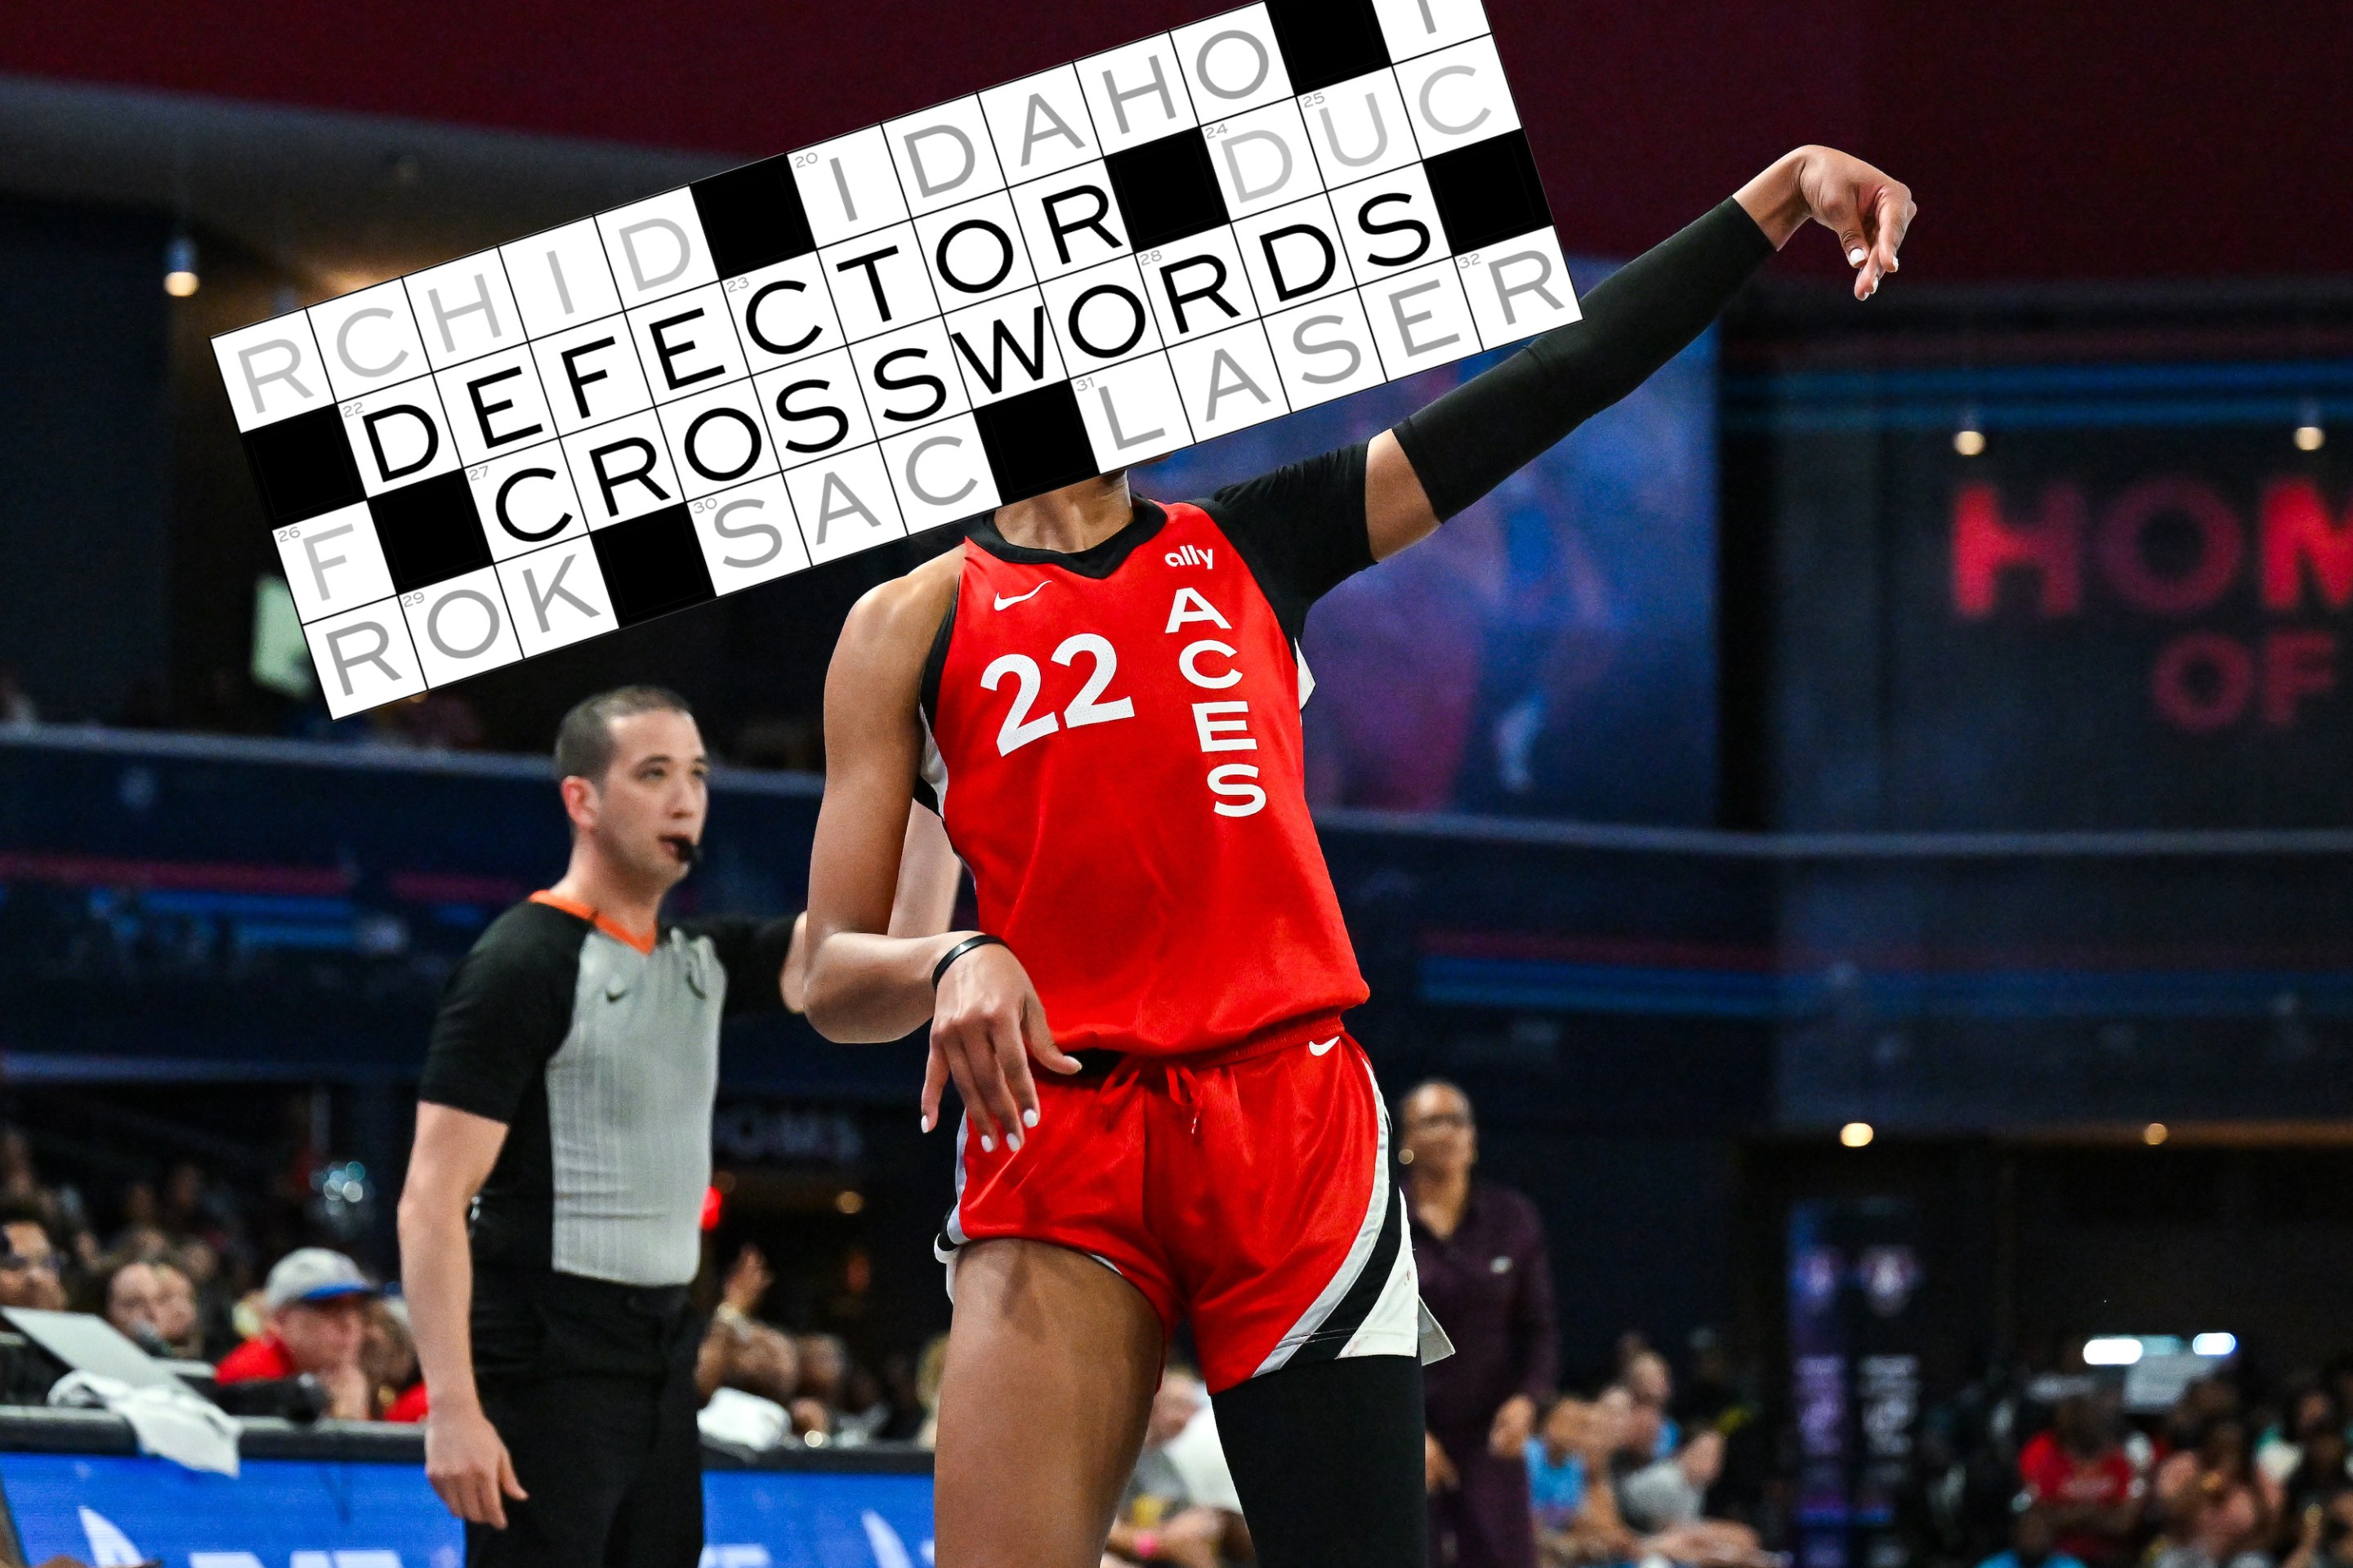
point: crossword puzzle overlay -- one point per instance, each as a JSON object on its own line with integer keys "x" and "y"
{"x": 893, "y": 329}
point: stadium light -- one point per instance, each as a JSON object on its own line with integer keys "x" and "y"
{"x": 2155, "y": 1133}
{"x": 1970, "y": 439}
{"x": 180, "y": 278}
{"x": 2214, "y": 1345}
{"x": 1855, "y": 1134}
{"x": 2111, "y": 1351}
{"x": 2309, "y": 435}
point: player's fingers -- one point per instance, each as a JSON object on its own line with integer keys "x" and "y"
{"x": 966, "y": 1066}
{"x": 1041, "y": 1038}
{"x": 1015, "y": 1101}
{"x": 936, "y": 1077}
{"x": 1891, "y": 220}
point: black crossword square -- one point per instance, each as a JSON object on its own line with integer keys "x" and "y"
{"x": 652, "y": 565}
{"x": 1035, "y": 442}
{"x": 430, "y": 531}
{"x": 1166, "y": 189}
{"x": 1487, "y": 192}
{"x": 1327, "y": 41}
{"x": 303, "y": 466}
{"x": 753, "y": 217}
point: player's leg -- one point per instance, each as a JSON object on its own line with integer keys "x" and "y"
{"x": 1328, "y": 1456}
{"x": 1288, "y": 1218}
{"x": 1053, "y": 1360}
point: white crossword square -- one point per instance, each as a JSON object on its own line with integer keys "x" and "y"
{"x": 557, "y": 594}
{"x": 748, "y": 536}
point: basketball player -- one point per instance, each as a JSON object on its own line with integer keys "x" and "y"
{"x": 1100, "y": 695}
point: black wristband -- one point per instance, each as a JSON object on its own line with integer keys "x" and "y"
{"x": 959, "y": 950}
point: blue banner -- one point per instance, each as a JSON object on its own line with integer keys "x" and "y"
{"x": 112, "y": 1511}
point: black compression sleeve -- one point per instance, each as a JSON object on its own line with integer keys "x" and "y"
{"x": 1469, "y": 441}
{"x": 1328, "y": 1459}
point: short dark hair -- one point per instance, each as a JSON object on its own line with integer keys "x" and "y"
{"x": 584, "y": 741}
{"x": 29, "y": 1211}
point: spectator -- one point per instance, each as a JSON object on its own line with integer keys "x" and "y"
{"x": 825, "y": 1370}
{"x": 2320, "y": 1479}
{"x": 2324, "y": 1535}
{"x": 1646, "y": 1377}
{"x": 2218, "y": 1508}
{"x": 2078, "y": 1476}
{"x": 31, "y": 1269}
{"x": 1557, "y": 1477}
{"x": 317, "y": 1303}
{"x": 1584, "y": 1524}
{"x": 1673, "y": 1491}
{"x": 2034, "y": 1544}
{"x": 152, "y": 1304}
{"x": 1180, "y": 1507}
{"x": 1479, "y": 1251}
{"x": 389, "y": 1356}
{"x": 142, "y": 1234}
{"x": 2281, "y": 1452}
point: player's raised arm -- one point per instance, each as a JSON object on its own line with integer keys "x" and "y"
{"x": 865, "y": 983}
{"x": 1441, "y": 459}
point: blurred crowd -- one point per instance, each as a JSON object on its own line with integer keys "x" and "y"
{"x": 2051, "y": 1470}
{"x": 1657, "y": 1463}
{"x": 1653, "y": 1469}
{"x": 195, "y": 1269}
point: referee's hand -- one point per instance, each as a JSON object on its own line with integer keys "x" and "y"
{"x": 467, "y": 1462}
{"x": 987, "y": 1023}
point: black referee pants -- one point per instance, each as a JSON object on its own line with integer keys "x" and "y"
{"x": 591, "y": 1385}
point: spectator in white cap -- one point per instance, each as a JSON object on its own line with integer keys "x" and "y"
{"x": 317, "y": 1323}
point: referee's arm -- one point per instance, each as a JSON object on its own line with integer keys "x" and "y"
{"x": 506, "y": 1012}
{"x": 465, "y": 1459}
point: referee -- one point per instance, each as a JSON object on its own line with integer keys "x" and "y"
{"x": 566, "y": 1102}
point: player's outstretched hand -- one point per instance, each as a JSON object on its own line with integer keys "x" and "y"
{"x": 987, "y": 1023}
{"x": 1869, "y": 209}
{"x": 467, "y": 1463}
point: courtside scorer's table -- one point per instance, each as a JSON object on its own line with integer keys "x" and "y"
{"x": 886, "y": 331}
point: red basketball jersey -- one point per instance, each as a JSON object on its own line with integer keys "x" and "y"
{"x": 1117, "y": 759}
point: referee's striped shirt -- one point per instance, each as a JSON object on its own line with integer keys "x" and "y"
{"x": 600, "y": 1052}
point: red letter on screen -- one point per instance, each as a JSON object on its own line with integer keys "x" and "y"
{"x": 2297, "y": 666}
{"x": 2297, "y": 529}
{"x": 1986, "y": 545}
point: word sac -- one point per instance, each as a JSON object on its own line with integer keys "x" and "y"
{"x": 890, "y": 331}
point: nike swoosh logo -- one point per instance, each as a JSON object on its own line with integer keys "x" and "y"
{"x": 616, "y": 992}
{"x": 1318, "y": 1047}
{"x": 1002, "y": 601}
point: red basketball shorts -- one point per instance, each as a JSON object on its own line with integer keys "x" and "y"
{"x": 1251, "y": 1192}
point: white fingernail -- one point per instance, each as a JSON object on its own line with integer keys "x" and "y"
{"x": 987, "y": 1144}
{"x": 1013, "y": 1142}
{"x": 1854, "y": 256}
{"x": 1029, "y": 1118}
{"x": 927, "y": 1124}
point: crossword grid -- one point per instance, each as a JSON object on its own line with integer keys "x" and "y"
{"x": 893, "y": 329}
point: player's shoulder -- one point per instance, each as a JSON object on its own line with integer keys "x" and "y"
{"x": 894, "y": 623}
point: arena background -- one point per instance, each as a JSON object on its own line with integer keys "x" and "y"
{"x": 1759, "y": 765}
